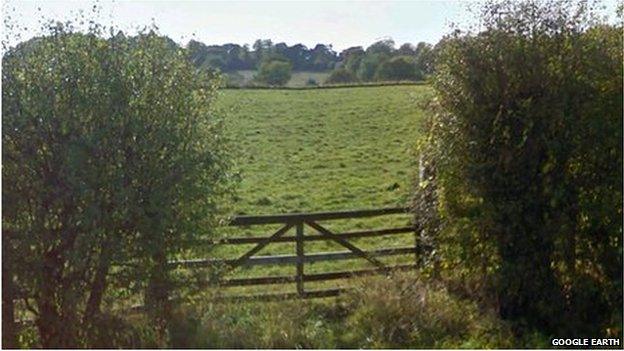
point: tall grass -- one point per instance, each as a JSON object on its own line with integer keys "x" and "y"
{"x": 399, "y": 311}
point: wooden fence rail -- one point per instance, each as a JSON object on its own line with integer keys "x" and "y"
{"x": 299, "y": 221}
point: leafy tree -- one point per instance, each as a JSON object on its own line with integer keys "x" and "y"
{"x": 369, "y": 64}
{"x": 322, "y": 57}
{"x": 231, "y": 57}
{"x": 407, "y": 49}
{"x": 274, "y": 72}
{"x": 261, "y": 48}
{"x": 113, "y": 156}
{"x": 351, "y": 58}
{"x": 196, "y": 52}
{"x": 385, "y": 47}
{"x": 398, "y": 68}
{"x": 341, "y": 76}
{"x": 300, "y": 56}
{"x": 526, "y": 155}
{"x": 424, "y": 56}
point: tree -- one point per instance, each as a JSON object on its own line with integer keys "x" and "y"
{"x": 322, "y": 57}
{"x": 341, "y": 76}
{"x": 114, "y": 157}
{"x": 526, "y": 147}
{"x": 196, "y": 52}
{"x": 351, "y": 58}
{"x": 274, "y": 72}
{"x": 369, "y": 65}
{"x": 385, "y": 47}
{"x": 398, "y": 68}
{"x": 424, "y": 58}
{"x": 407, "y": 49}
{"x": 300, "y": 57}
{"x": 262, "y": 48}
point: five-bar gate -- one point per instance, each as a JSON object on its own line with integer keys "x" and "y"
{"x": 298, "y": 222}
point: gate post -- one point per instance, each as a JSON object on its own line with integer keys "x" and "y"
{"x": 300, "y": 259}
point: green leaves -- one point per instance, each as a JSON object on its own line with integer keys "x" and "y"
{"x": 274, "y": 72}
{"x": 524, "y": 125}
{"x": 110, "y": 149}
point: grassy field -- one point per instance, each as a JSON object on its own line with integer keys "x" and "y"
{"x": 323, "y": 150}
{"x": 316, "y": 150}
{"x": 298, "y": 79}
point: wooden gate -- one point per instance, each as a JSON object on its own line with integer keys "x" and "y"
{"x": 299, "y": 222}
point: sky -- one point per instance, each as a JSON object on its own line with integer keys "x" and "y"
{"x": 340, "y": 23}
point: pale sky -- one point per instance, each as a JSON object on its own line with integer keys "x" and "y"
{"x": 341, "y": 23}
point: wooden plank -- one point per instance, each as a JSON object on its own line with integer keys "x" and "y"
{"x": 258, "y": 281}
{"x": 311, "y": 277}
{"x": 348, "y": 245}
{"x": 300, "y": 258}
{"x": 324, "y": 293}
{"x": 355, "y": 273}
{"x": 291, "y": 239}
{"x": 292, "y": 259}
{"x": 260, "y": 246}
{"x": 282, "y": 296}
{"x": 315, "y": 216}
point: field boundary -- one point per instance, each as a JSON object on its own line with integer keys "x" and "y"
{"x": 330, "y": 86}
{"x": 299, "y": 222}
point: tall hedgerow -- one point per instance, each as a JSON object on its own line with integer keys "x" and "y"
{"x": 112, "y": 160}
{"x": 525, "y": 155}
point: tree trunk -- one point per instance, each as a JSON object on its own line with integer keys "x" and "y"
{"x": 55, "y": 324}
{"x": 9, "y": 330}
{"x": 98, "y": 285}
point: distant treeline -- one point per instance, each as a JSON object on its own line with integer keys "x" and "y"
{"x": 326, "y": 86}
{"x": 380, "y": 61}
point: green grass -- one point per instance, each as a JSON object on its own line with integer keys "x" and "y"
{"x": 319, "y": 150}
{"x": 298, "y": 79}
{"x": 401, "y": 311}
{"x": 323, "y": 150}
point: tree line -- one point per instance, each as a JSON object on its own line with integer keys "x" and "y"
{"x": 380, "y": 61}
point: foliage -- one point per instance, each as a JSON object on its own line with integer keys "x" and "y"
{"x": 234, "y": 57}
{"x": 274, "y": 72}
{"x": 245, "y": 79}
{"x": 369, "y": 65}
{"x": 400, "y": 311}
{"x": 381, "y": 61}
{"x": 406, "y": 311}
{"x": 384, "y": 47}
{"x": 110, "y": 155}
{"x": 341, "y": 76}
{"x": 311, "y": 82}
{"x": 398, "y": 68}
{"x": 247, "y": 325}
{"x": 424, "y": 56}
{"x": 526, "y": 155}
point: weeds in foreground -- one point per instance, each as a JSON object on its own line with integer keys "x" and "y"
{"x": 400, "y": 311}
